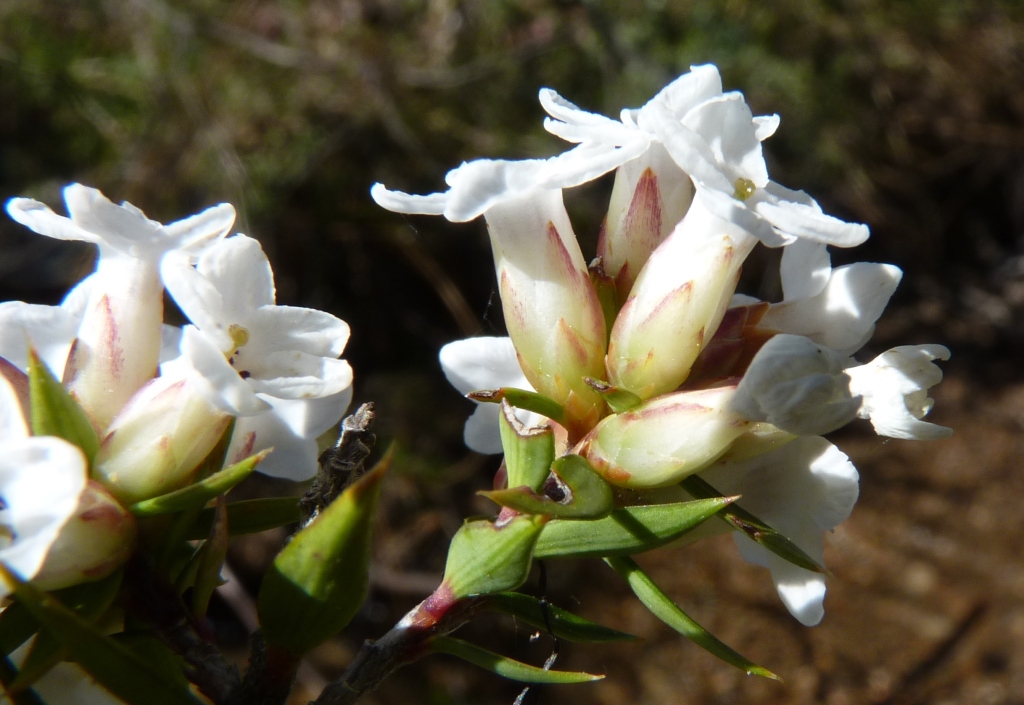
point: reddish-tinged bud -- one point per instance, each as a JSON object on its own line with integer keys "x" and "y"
{"x": 650, "y": 197}
{"x": 551, "y": 309}
{"x": 94, "y": 542}
{"x": 664, "y": 440}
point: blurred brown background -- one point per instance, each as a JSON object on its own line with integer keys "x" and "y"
{"x": 905, "y": 114}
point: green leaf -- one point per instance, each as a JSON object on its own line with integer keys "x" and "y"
{"x": 662, "y": 607}
{"x": 585, "y": 494}
{"x": 504, "y": 666}
{"x": 543, "y": 615}
{"x": 484, "y": 558}
{"x": 87, "y": 600}
{"x": 319, "y": 580}
{"x": 155, "y": 652}
{"x": 249, "y": 516}
{"x": 626, "y": 530}
{"x": 55, "y": 412}
{"x": 529, "y": 452}
{"x": 618, "y": 399}
{"x": 211, "y": 560}
{"x": 118, "y": 669}
{"x": 197, "y": 495}
{"x": 753, "y": 527}
{"x": 17, "y": 624}
{"x": 522, "y": 399}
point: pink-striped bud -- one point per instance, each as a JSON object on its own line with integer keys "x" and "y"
{"x": 157, "y": 442}
{"x": 677, "y": 303}
{"x": 92, "y": 544}
{"x": 551, "y": 310}
{"x": 664, "y": 440}
{"x": 650, "y": 197}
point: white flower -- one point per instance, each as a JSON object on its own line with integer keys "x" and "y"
{"x": 275, "y": 367}
{"x": 834, "y": 307}
{"x": 118, "y": 341}
{"x": 894, "y": 389}
{"x": 475, "y": 364}
{"x": 802, "y": 490}
{"x": 798, "y": 386}
{"x": 242, "y": 342}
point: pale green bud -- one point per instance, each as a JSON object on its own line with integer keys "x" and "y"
{"x": 93, "y": 543}
{"x": 664, "y": 440}
{"x": 551, "y": 310}
{"x": 677, "y": 303}
{"x": 157, "y": 442}
{"x": 650, "y": 197}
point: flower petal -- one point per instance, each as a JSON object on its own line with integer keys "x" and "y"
{"x": 802, "y": 490}
{"x": 41, "y": 479}
{"x": 289, "y": 374}
{"x": 482, "y": 363}
{"x": 123, "y": 227}
{"x": 805, "y": 269}
{"x": 304, "y": 329}
{"x": 894, "y": 388}
{"x": 199, "y": 230}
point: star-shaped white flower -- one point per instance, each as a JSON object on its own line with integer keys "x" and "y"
{"x": 242, "y": 342}
{"x": 802, "y": 490}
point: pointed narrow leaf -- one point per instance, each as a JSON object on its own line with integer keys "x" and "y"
{"x": 662, "y": 607}
{"x": 118, "y": 669}
{"x": 484, "y": 558}
{"x": 618, "y": 399}
{"x": 249, "y": 516}
{"x": 87, "y": 600}
{"x": 522, "y": 399}
{"x": 200, "y": 493}
{"x": 529, "y": 452}
{"x": 319, "y": 580}
{"x": 753, "y": 527}
{"x": 213, "y": 553}
{"x": 55, "y": 412}
{"x": 17, "y": 626}
{"x": 625, "y": 531}
{"x": 504, "y": 666}
{"x": 542, "y": 615}
{"x": 584, "y": 494}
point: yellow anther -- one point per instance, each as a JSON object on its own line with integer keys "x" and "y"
{"x": 744, "y": 189}
{"x": 239, "y": 335}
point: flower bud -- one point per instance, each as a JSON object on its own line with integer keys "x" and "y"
{"x": 92, "y": 544}
{"x": 650, "y": 196}
{"x": 157, "y": 442}
{"x": 797, "y": 385}
{"x": 551, "y": 310}
{"x": 118, "y": 344}
{"x": 677, "y": 303}
{"x": 664, "y": 440}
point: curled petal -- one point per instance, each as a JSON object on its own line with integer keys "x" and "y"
{"x": 842, "y": 316}
{"x": 218, "y": 381}
{"x": 482, "y": 363}
{"x": 894, "y": 388}
{"x": 805, "y": 269}
{"x": 304, "y": 329}
{"x": 290, "y": 374}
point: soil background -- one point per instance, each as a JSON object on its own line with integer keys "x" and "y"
{"x": 907, "y": 115}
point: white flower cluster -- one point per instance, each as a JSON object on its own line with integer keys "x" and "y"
{"x": 733, "y": 388}
{"x": 159, "y": 397}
